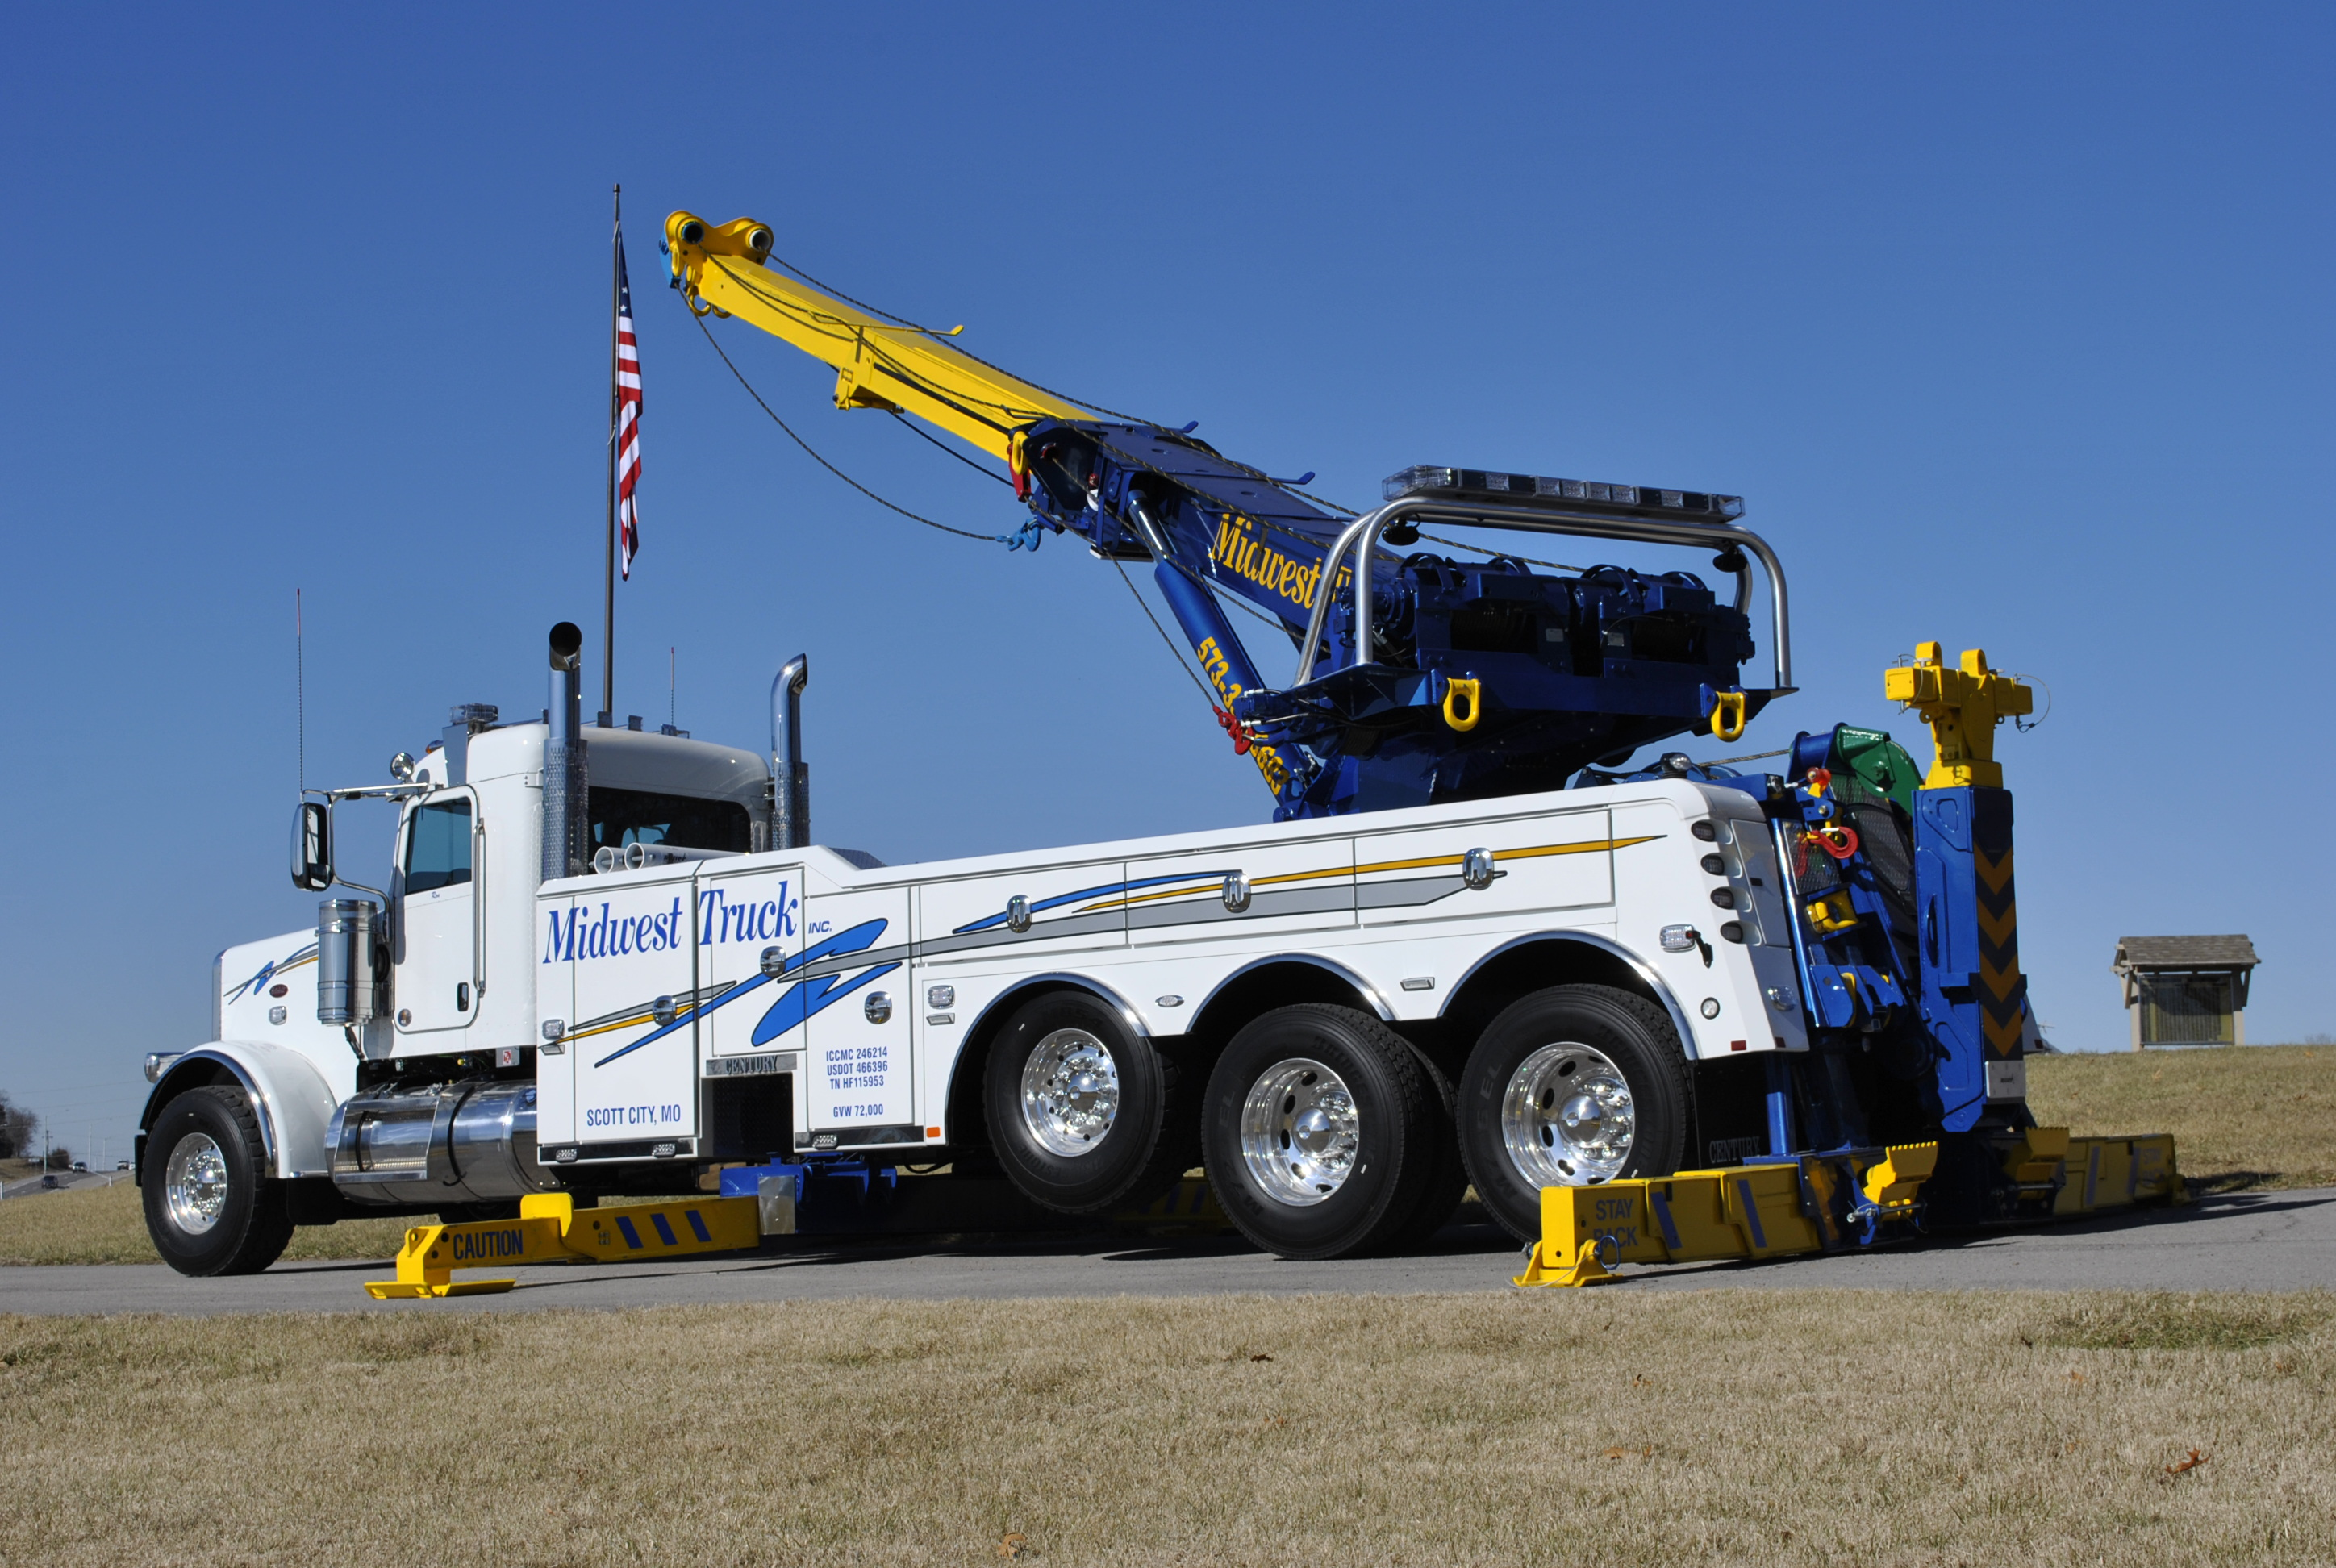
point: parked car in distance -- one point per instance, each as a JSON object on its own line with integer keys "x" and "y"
{"x": 82, "y": 1166}
{"x": 48, "y": 1182}
{"x": 121, "y": 1164}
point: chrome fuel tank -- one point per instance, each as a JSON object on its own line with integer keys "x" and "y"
{"x": 460, "y": 1143}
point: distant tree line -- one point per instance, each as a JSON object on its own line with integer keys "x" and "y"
{"x": 20, "y": 1130}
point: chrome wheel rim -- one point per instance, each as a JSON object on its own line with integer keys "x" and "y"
{"x": 1070, "y": 1093}
{"x": 1567, "y": 1118}
{"x": 1299, "y": 1132}
{"x": 194, "y": 1183}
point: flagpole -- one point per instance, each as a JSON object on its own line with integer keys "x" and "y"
{"x": 608, "y": 594}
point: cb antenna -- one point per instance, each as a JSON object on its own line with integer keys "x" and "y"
{"x": 300, "y": 689}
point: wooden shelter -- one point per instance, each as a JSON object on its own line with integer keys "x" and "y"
{"x": 2185, "y": 990}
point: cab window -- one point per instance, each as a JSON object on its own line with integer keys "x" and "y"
{"x": 438, "y": 846}
{"x": 621, "y": 817}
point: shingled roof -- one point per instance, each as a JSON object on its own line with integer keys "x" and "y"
{"x": 2184, "y": 953}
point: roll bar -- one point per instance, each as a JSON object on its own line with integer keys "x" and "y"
{"x": 1362, "y": 536}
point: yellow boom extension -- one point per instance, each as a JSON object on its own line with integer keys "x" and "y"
{"x": 878, "y": 362}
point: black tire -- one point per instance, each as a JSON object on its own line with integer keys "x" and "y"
{"x": 1447, "y": 1181}
{"x": 1133, "y": 1159}
{"x": 1631, "y": 1033}
{"x": 246, "y": 1224}
{"x": 1390, "y": 1167}
{"x": 470, "y": 1213}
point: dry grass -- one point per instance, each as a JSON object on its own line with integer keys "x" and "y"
{"x": 105, "y": 1225}
{"x": 2242, "y": 1116}
{"x": 1548, "y": 1426}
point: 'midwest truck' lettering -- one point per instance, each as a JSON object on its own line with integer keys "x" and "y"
{"x": 577, "y": 933}
{"x": 574, "y": 933}
{"x": 722, "y": 918}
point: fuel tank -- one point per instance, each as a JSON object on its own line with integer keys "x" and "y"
{"x": 440, "y": 1144}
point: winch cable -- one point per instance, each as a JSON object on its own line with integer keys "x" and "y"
{"x": 909, "y": 377}
{"x": 1013, "y": 540}
{"x": 1006, "y": 540}
{"x": 907, "y": 424}
{"x": 904, "y": 374}
{"x": 1175, "y": 652}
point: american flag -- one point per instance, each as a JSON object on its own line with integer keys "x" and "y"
{"x": 627, "y": 433}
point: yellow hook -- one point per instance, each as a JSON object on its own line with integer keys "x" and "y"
{"x": 1730, "y": 704}
{"x": 1456, "y": 688}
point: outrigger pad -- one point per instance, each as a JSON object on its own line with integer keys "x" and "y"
{"x": 1833, "y": 1202}
{"x": 549, "y": 1229}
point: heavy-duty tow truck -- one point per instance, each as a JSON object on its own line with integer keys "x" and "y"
{"x": 1648, "y": 1013}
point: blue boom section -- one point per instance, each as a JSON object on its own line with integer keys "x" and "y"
{"x": 1568, "y": 669}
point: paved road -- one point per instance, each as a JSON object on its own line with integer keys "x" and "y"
{"x": 30, "y": 1187}
{"x": 2254, "y": 1242}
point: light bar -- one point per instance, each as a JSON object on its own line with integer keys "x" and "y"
{"x": 1572, "y": 494}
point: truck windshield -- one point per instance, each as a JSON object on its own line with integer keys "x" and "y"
{"x": 621, "y": 817}
{"x": 438, "y": 846}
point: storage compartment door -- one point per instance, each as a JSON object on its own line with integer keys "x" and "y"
{"x": 634, "y": 1039}
{"x": 741, "y": 916}
{"x": 555, "y": 1000}
{"x": 853, "y": 998}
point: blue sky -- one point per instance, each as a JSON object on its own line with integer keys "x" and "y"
{"x": 2011, "y": 324}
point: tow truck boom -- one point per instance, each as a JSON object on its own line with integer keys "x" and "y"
{"x": 1422, "y": 680}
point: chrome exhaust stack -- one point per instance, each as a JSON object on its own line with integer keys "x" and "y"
{"x": 790, "y": 775}
{"x": 567, "y": 821}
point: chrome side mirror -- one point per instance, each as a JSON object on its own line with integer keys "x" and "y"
{"x": 311, "y": 847}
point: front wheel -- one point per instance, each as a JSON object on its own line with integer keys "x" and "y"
{"x": 209, "y": 1205}
{"x": 1319, "y": 1131}
{"x": 1569, "y": 1087}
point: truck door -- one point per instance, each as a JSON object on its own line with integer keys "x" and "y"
{"x": 854, "y": 998}
{"x": 439, "y": 960}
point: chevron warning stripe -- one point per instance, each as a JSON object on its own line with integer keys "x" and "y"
{"x": 2002, "y": 986}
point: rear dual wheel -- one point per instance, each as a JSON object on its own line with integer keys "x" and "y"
{"x": 1079, "y": 1107}
{"x": 1325, "y": 1136}
{"x": 1570, "y": 1087}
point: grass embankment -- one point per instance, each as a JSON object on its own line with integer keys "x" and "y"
{"x": 1545, "y": 1426}
{"x": 2241, "y": 1117}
